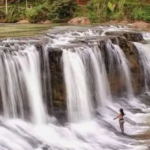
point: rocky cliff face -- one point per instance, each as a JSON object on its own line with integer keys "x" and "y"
{"x": 56, "y": 92}
{"x": 57, "y": 80}
{"x": 124, "y": 40}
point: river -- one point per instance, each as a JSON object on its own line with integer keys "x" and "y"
{"x": 61, "y": 87}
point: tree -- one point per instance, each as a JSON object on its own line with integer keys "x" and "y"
{"x": 26, "y": 4}
{"x": 6, "y": 5}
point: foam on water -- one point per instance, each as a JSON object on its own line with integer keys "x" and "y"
{"x": 78, "y": 98}
{"x": 91, "y": 106}
{"x": 20, "y": 81}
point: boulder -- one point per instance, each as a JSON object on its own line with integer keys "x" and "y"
{"x": 141, "y": 25}
{"x": 79, "y": 20}
{"x": 23, "y": 22}
{"x": 130, "y": 36}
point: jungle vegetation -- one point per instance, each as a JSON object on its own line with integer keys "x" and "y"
{"x": 63, "y": 10}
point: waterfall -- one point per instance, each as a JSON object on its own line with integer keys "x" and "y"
{"x": 47, "y": 78}
{"x": 117, "y": 60}
{"x": 86, "y": 80}
{"x": 96, "y": 74}
{"x": 20, "y": 84}
{"x": 32, "y": 78}
{"x": 35, "y": 77}
{"x": 144, "y": 55}
{"x": 78, "y": 99}
{"x": 9, "y": 85}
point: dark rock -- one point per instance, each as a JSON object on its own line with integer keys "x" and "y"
{"x": 23, "y": 22}
{"x": 132, "y": 56}
{"x": 56, "y": 93}
{"x": 129, "y": 35}
{"x": 57, "y": 80}
{"x": 79, "y": 20}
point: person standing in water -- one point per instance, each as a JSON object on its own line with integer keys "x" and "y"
{"x": 121, "y": 120}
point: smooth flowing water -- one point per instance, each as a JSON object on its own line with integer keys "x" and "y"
{"x": 117, "y": 60}
{"x": 26, "y": 93}
{"x": 20, "y": 80}
{"x": 144, "y": 55}
{"x": 77, "y": 91}
{"x": 86, "y": 82}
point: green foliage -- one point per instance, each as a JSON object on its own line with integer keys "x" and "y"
{"x": 138, "y": 11}
{"x": 36, "y": 14}
{"x": 2, "y": 14}
{"x": 111, "y": 6}
{"x": 80, "y": 10}
{"x": 97, "y": 10}
{"x": 119, "y": 13}
{"x": 61, "y": 9}
{"x": 14, "y": 14}
{"x": 55, "y": 11}
{"x": 105, "y": 10}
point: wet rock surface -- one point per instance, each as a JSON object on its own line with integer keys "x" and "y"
{"x": 57, "y": 82}
{"x": 129, "y": 35}
{"x": 132, "y": 56}
{"x": 79, "y": 20}
{"x": 58, "y": 88}
{"x": 122, "y": 38}
{"x": 40, "y": 60}
{"x": 23, "y": 22}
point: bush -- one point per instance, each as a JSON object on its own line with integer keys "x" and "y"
{"x": 138, "y": 11}
{"x": 61, "y": 9}
{"x": 55, "y": 11}
{"x": 105, "y": 10}
{"x": 2, "y": 14}
{"x": 36, "y": 14}
{"x": 14, "y": 14}
{"x": 97, "y": 10}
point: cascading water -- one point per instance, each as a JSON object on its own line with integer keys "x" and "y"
{"x": 25, "y": 89}
{"x": 47, "y": 79}
{"x": 85, "y": 80}
{"x": 78, "y": 98}
{"x": 10, "y": 90}
{"x": 115, "y": 54}
{"x": 21, "y": 85}
{"x": 31, "y": 73}
{"x": 144, "y": 55}
{"x": 96, "y": 74}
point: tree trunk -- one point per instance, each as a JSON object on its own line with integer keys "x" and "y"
{"x": 26, "y": 4}
{"x": 6, "y": 5}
